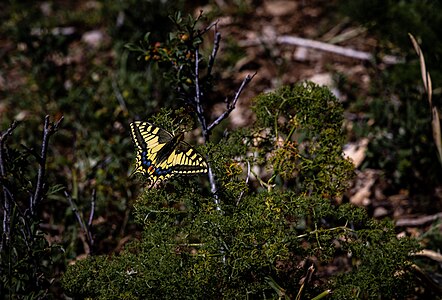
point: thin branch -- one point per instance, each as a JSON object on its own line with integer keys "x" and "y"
{"x": 202, "y": 120}
{"x": 231, "y": 104}
{"x": 7, "y": 133}
{"x": 21, "y": 214}
{"x": 316, "y": 231}
{"x": 91, "y": 215}
{"x": 202, "y": 32}
{"x": 307, "y": 43}
{"x": 48, "y": 130}
{"x": 247, "y": 182}
{"x": 214, "y": 52}
{"x": 86, "y": 228}
{"x": 213, "y": 188}
{"x": 198, "y": 105}
{"x": 200, "y": 110}
{"x": 197, "y": 18}
{"x": 75, "y": 211}
{"x": 7, "y": 197}
{"x": 436, "y": 256}
{"x": 419, "y": 221}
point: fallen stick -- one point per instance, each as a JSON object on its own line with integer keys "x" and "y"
{"x": 429, "y": 254}
{"x": 418, "y": 221}
{"x": 307, "y": 43}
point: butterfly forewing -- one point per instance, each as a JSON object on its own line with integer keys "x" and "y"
{"x": 161, "y": 155}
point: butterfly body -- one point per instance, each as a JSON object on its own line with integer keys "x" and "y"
{"x": 161, "y": 155}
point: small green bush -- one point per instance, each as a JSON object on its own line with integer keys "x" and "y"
{"x": 27, "y": 259}
{"x": 192, "y": 250}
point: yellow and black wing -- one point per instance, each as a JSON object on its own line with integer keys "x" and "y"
{"x": 161, "y": 155}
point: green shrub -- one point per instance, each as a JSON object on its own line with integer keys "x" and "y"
{"x": 27, "y": 260}
{"x": 189, "y": 249}
{"x": 250, "y": 240}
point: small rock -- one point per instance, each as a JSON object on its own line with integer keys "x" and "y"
{"x": 280, "y": 8}
{"x": 93, "y": 38}
{"x": 380, "y": 212}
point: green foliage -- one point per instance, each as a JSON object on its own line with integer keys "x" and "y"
{"x": 196, "y": 253}
{"x": 27, "y": 259}
{"x": 191, "y": 250}
{"x": 304, "y": 138}
{"x": 380, "y": 266}
{"x": 176, "y": 56}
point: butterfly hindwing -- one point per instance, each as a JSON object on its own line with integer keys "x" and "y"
{"x": 187, "y": 160}
{"x": 160, "y": 155}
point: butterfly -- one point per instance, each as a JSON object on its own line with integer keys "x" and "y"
{"x": 161, "y": 155}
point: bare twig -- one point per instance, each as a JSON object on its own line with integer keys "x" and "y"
{"x": 196, "y": 101}
{"x": 48, "y": 130}
{"x": 86, "y": 228}
{"x": 7, "y": 197}
{"x": 436, "y": 256}
{"x": 202, "y": 120}
{"x": 410, "y": 222}
{"x": 22, "y": 216}
{"x": 198, "y": 18}
{"x": 91, "y": 215}
{"x": 26, "y": 222}
{"x": 213, "y": 188}
{"x": 75, "y": 210}
{"x": 426, "y": 280}
{"x": 231, "y": 104}
{"x": 307, "y": 43}
{"x": 198, "y": 105}
{"x": 214, "y": 51}
{"x": 200, "y": 33}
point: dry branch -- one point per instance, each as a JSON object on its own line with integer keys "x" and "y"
{"x": 317, "y": 45}
{"x": 413, "y": 222}
{"x": 436, "y": 256}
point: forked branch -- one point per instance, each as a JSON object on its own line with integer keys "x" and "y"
{"x": 48, "y": 130}
{"x": 7, "y": 196}
{"x": 85, "y": 227}
{"x": 197, "y": 103}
